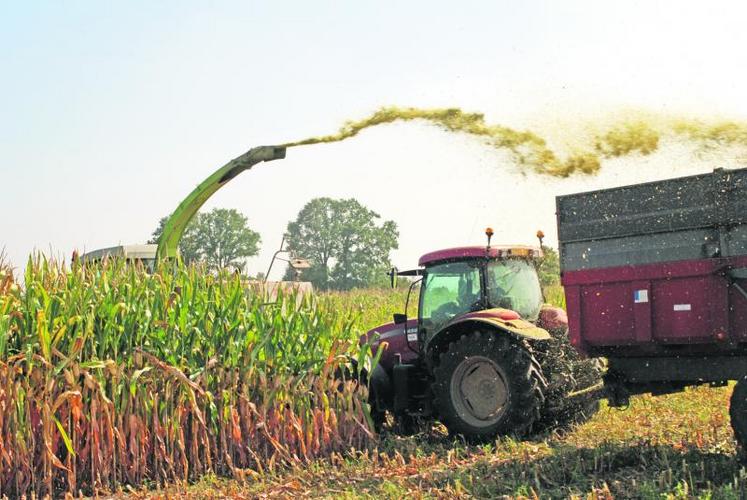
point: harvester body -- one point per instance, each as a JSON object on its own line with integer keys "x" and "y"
{"x": 145, "y": 254}
{"x": 168, "y": 243}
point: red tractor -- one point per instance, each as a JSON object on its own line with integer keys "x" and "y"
{"x": 473, "y": 357}
{"x": 655, "y": 279}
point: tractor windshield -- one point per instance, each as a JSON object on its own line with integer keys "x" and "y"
{"x": 513, "y": 284}
{"x": 448, "y": 290}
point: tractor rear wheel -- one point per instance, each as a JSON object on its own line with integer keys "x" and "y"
{"x": 738, "y": 414}
{"x": 487, "y": 384}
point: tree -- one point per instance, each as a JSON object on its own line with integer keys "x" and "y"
{"x": 220, "y": 238}
{"x": 549, "y": 267}
{"x": 344, "y": 244}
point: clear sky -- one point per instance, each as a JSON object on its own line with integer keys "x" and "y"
{"x": 112, "y": 112}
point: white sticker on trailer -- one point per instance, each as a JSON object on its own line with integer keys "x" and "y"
{"x": 412, "y": 337}
{"x": 682, "y": 307}
{"x": 640, "y": 296}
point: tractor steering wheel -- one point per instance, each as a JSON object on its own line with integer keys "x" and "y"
{"x": 446, "y": 311}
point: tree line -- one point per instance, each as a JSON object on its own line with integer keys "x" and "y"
{"x": 346, "y": 244}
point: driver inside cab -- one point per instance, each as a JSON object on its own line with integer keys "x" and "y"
{"x": 467, "y": 299}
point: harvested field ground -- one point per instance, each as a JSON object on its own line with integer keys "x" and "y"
{"x": 676, "y": 446}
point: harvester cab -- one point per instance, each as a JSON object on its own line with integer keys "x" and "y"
{"x": 465, "y": 358}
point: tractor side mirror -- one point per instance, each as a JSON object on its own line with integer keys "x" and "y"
{"x": 400, "y": 319}
{"x": 393, "y": 276}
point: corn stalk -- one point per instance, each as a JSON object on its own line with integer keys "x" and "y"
{"x": 111, "y": 376}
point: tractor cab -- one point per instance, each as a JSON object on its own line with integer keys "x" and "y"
{"x": 466, "y": 280}
{"x": 466, "y": 353}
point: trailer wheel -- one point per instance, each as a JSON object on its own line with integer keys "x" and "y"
{"x": 487, "y": 384}
{"x": 738, "y": 414}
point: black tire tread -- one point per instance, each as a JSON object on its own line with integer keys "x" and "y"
{"x": 526, "y": 384}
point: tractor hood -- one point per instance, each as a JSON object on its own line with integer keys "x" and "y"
{"x": 395, "y": 337}
{"x": 504, "y": 319}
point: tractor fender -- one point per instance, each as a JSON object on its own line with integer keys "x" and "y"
{"x": 507, "y": 325}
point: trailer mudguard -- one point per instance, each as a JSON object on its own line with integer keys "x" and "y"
{"x": 168, "y": 244}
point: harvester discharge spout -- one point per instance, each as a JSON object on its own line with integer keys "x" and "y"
{"x": 168, "y": 244}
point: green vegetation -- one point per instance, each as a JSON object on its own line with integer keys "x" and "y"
{"x": 110, "y": 376}
{"x": 718, "y": 133}
{"x": 531, "y": 152}
{"x": 669, "y": 447}
{"x": 529, "y": 149}
{"x": 621, "y": 140}
{"x": 555, "y": 295}
{"x": 220, "y": 238}
{"x": 346, "y": 246}
{"x": 548, "y": 268}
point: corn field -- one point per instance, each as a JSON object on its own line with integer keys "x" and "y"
{"x": 110, "y": 376}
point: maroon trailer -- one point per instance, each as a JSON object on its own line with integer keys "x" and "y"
{"x": 655, "y": 278}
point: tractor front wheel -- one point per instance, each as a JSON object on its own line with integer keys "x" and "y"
{"x": 487, "y": 384}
